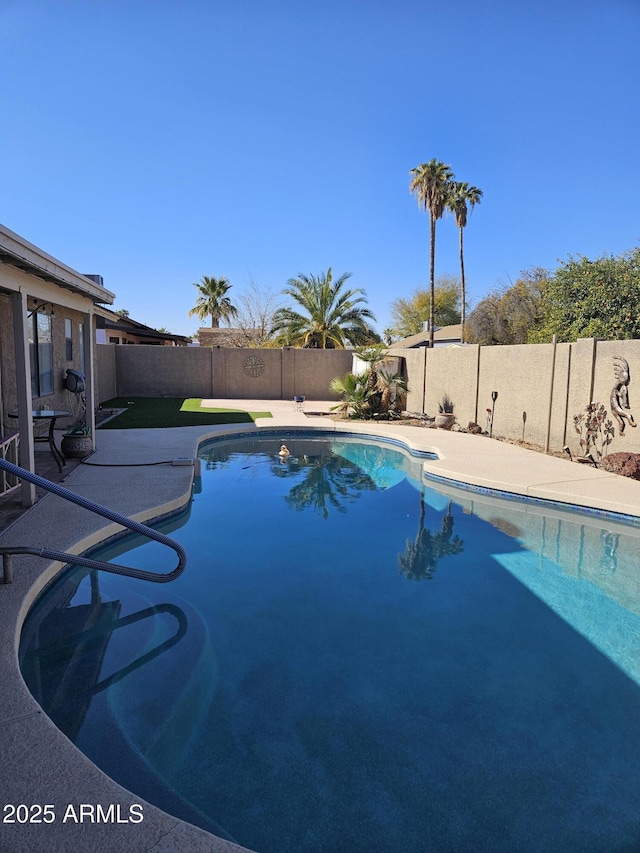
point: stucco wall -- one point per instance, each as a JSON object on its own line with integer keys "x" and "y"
{"x": 268, "y": 374}
{"x": 150, "y": 371}
{"x": 522, "y": 377}
{"x": 105, "y": 371}
{"x": 540, "y": 388}
{"x": 309, "y": 372}
{"x": 414, "y": 369}
{"x": 453, "y": 371}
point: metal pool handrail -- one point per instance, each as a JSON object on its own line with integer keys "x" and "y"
{"x": 79, "y": 560}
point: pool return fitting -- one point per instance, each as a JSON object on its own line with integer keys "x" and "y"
{"x": 78, "y": 560}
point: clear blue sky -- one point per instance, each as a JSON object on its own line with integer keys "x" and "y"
{"x": 155, "y": 142}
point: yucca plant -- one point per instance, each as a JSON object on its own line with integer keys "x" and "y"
{"x": 446, "y": 405}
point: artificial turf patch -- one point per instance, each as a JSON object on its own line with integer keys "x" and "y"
{"x": 161, "y": 412}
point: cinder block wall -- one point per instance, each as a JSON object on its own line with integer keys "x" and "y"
{"x": 309, "y": 372}
{"x": 150, "y": 371}
{"x": 540, "y": 387}
{"x": 235, "y": 373}
{"x": 453, "y": 371}
{"x": 105, "y": 372}
{"x": 277, "y": 374}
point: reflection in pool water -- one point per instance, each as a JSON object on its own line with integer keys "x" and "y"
{"x": 297, "y": 690}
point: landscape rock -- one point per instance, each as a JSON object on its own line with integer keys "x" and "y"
{"x": 625, "y": 464}
{"x": 474, "y": 429}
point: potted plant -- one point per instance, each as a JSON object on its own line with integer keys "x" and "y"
{"x": 77, "y": 442}
{"x": 445, "y": 418}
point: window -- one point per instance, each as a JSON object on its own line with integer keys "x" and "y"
{"x": 68, "y": 339}
{"x": 114, "y": 340}
{"x": 41, "y": 354}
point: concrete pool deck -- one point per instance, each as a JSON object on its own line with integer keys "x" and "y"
{"x": 38, "y": 765}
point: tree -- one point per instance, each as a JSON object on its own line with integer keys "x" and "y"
{"x": 592, "y": 299}
{"x": 509, "y": 315}
{"x": 122, "y": 312}
{"x": 256, "y": 309}
{"x": 213, "y": 301}
{"x": 409, "y": 315}
{"x": 331, "y": 316}
{"x": 327, "y": 481}
{"x": 353, "y": 390}
{"x": 421, "y": 555}
{"x": 376, "y": 393}
{"x": 462, "y": 194}
{"x": 431, "y": 182}
{"x": 374, "y": 356}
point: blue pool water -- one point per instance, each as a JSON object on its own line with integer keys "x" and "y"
{"x": 356, "y": 660}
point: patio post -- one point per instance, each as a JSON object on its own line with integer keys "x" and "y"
{"x": 23, "y": 390}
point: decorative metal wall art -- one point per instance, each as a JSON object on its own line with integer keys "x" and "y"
{"x": 253, "y": 365}
{"x": 620, "y": 394}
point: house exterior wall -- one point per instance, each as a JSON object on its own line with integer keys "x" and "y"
{"x": 60, "y": 398}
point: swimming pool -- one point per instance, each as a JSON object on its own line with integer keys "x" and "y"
{"x": 356, "y": 660}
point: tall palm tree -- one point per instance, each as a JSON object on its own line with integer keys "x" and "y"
{"x": 331, "y": 316}
{"x": 421, "y": 555}
{"x": 431, "y": 183}
{"x": 212, "y": 301}
{"x": 461, "y": 195}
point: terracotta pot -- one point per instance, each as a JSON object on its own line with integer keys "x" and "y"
{"x": 445, "y": 420}
{"x": 76, "y": 446}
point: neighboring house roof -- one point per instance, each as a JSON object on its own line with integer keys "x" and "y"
{"x": 17, "y": 252}
{"x": 441, "y": 337}
{"x": 112, "y": 321}
{"x": 221, "y": 336}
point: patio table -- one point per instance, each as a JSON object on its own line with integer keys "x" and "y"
{"x": 50, "y": 415}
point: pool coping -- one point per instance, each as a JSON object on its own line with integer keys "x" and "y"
{"x": 39, "y": 765}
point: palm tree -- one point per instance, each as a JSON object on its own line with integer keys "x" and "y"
{"x": 212, "y": 301}
{"x": 421, "y": 555}
{"x": 329, "y": 481}
{"x": 461, "y": 195}
{"x": 431, "y": 183}
{"x": 393, "y": 388}
{"x": 375, "y": 356}
{"x": 331, "y": 316}
{"x": 354, "y": 394}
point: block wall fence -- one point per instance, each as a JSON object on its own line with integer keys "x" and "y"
{"x": 540, "y": 386}
{"x": 234, "y": 373}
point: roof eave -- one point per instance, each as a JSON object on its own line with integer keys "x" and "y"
{"x": 18, "y": 252}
